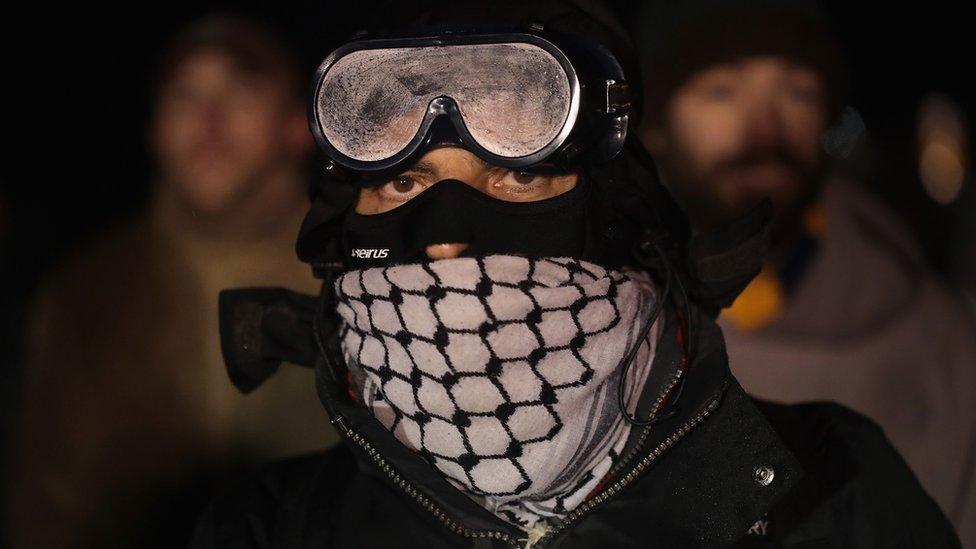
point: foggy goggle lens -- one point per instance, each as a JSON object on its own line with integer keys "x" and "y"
{"x": 511, "y": 102}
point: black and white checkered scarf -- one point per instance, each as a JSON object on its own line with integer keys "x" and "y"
{"x": 501, "y": 371}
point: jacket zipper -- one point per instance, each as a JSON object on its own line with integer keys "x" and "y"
{"x": 643, "y": 464}
{"x": 418, "y": 496}
{"x": 457, "y": 528}
{"x": 647, "y": 430}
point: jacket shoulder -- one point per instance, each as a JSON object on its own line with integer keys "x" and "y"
{"x": 809, "y": 425}
{"x": 269, "y": 508}
{"x": 853, "y": 479}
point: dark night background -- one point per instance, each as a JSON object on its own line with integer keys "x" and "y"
{"x": 88, "y": 74}
{"x": 79, "y": 161}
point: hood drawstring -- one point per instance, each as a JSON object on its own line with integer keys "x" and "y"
{"x": 647, "y": 246}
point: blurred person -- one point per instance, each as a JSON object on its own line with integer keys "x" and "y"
{"x": 964, "y": 257}
{"x": 128, "y": 420}
{"x": 964, "y": 253}
{"x": 10, "y": 311}
{"x": 507, "y": 335}
{"x": 739, "y": 96}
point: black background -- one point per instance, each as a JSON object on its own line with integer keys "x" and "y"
{"x": 75, "y": 91}
{"x": 76, "y": 96}
{"x": 83, "y": 81}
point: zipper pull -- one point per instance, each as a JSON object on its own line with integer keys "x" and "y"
{"x": 339, "y": 423}
{"x": 536, "y": 532}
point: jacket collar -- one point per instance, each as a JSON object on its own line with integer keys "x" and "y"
{"x": 706, "y": 474}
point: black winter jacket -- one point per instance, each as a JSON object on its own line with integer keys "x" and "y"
{"x": 725, "y": 471}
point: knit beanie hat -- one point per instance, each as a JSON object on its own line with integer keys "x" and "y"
{"x": 676, "y": 40}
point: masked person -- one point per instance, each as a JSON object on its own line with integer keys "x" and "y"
{"x": 740, "y": 94}
{"x": 513, "y": 334}
{"x": 129, "y": 422}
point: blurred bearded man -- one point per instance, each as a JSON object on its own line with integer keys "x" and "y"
{"x": 739, "y": 96}
{"x": 128, "y": 420}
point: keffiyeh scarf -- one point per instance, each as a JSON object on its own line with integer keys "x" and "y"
{"x": 501, "y": 371}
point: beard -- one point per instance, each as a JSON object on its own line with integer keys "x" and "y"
{"x": 715, "y": 195}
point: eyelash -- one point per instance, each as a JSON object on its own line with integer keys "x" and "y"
{"x": 402, "y": 197}
{"x": 496, "y": 181}
{"x": 521, "y": 188}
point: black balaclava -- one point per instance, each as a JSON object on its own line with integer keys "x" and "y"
{"x": 621, "y": 200}
{"x": 629, "y": 209}
{"x": 630, "y": 220}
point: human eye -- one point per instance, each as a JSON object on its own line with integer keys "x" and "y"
{"x": 804, "y": 86}
{"x": 523, "y": 186}
{"x": 401, "y": 188}
{"x": 520, "y": 182}
{"x": 720, "y": 90}
{"x": 718, "y": 84}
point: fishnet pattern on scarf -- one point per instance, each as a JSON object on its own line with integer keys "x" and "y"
{"x": 534, "y": 330}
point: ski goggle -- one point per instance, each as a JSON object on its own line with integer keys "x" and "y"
{"x": 515, "y": 100}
